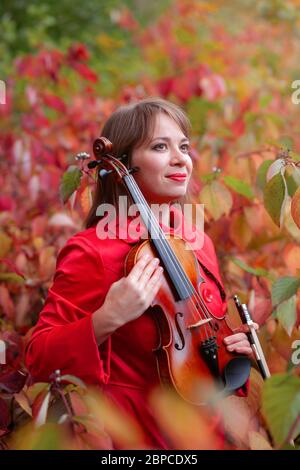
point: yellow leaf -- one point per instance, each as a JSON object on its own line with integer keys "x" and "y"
{"x": 5, "y": 244}
{"x": 185, "y": 426}
{"x": 107, "y": 42}
{"x": 38, "y": 243}
{"x": 217, "y": 199}
{"x": 122, "y": 427}
{"x": 258, "y": 442}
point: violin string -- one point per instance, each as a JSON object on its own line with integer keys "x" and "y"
{"x": 174, "y": 259}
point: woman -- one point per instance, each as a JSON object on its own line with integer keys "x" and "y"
{"x": 95, "y": 323}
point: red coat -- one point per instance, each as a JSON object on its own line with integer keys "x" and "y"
{"x": 64, "y": 338}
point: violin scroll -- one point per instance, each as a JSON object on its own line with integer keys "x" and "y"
{"x": 102, "y": 146}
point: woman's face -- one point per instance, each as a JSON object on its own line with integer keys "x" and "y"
{"x": 164, "y": 162}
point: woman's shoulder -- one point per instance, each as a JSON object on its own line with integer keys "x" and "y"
{"x": 85, "y": 238}
{"x": 80, "y": 245}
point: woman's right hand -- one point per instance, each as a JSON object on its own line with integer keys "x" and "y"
{"x": 129, "y": 297}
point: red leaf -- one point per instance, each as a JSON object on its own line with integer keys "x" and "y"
{"x": 38, "y": 403}
{"x": 54, "y": 102}
{"x": 165, "y": 86}
{"x": 78, "y": 52}
{"x": 45, "y": 63}
{"x": 12, "y": 381}
{"x": 7, "y": 203}
{"x": 14, "y": 349}
{"x": 34, "y": 122}
{"x": 127, "y": 21}
{"x": 184, "y": 86}
{"x": 85, "y": 72}
{"x": 12, "y": 266}
{"x": 4, "y": 417}
{"x": 238, "y": 127}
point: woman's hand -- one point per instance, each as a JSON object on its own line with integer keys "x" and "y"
{"x": 128, "y": 298}
{"x": 239, "y": 342}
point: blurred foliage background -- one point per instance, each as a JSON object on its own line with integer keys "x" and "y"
{"x": 231, "y": 65}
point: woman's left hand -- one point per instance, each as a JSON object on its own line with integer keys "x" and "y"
{"x": 239, "y": 343}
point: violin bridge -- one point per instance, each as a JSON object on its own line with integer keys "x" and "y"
{"x": 199, "y": 323}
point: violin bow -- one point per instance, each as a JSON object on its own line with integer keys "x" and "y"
{"x": 253, "y": 338}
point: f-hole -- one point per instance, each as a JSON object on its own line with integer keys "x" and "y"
{"x": 179, "y": 331}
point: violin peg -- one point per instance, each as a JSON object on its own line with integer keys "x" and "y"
{"x": 93, "y": 164}
{"x": 135, "y": 169}
{"x": 103, "y": 173}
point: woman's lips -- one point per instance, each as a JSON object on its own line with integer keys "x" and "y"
{"x": 180, "y": 178}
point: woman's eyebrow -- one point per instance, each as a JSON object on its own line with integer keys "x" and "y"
{"x": 184, "y": 139}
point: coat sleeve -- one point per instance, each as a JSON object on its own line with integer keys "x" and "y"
{"x": 64, "y": 336}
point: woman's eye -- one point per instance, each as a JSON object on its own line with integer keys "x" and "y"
{"x": 185, "y": 148}
{"x": 163, "y": 146}
{"x": 159, "y": 146}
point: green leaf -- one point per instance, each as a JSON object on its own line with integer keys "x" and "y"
{"x": 287, "y": 314}
{"x": 49, "y": 436}
{"x": 248, "y": 269}
{"x": 284, "y": 288}
{"x": 291, "y": 184}
{"x": 274, "y": 198}
{"x": 70, "y": 182}
{"x": 278, "y": 166}
{"x": 73, "y": 380}
{"x": 11, "y": 277}
{"x": 281, "y": 405}
{"x": 287, "y": 142}
{"x": 239, "y": 186}
{"x": 34, "y": 390}
{"x": 209, "y": 177}
{"x": 265, "y": 100}
{"x": 262, "y": 174}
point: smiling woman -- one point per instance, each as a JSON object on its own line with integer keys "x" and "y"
{"x": 164, "y": 162}
{"x": 96, "y": 323}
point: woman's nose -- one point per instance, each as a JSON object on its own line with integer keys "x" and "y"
{"x": 178, "y": 157}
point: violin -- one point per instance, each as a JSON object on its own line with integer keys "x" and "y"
{"x": 191, "y": 349}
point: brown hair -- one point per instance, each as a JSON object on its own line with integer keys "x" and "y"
{"x": 128, "y": 128}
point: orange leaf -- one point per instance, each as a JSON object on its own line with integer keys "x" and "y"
{"x": 47, "y": 262}
{"x": 295, "y": 207}
{"x": 6, "y": 302}
{"x": 291, "y": 256}
{"x": 260, "y": 303}
{"x": 86, "y": 200}
{"x": 239, "y": 231}
{"x": 282, "y": 342}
